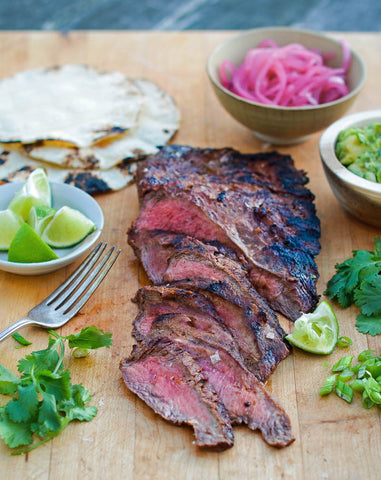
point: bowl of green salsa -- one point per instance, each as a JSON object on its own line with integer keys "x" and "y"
{"x": 350, "y": 150}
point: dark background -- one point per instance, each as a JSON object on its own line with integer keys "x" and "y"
{"x": 65, "y": 15}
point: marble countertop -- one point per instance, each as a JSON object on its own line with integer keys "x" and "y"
{"x": 65, "y": 15}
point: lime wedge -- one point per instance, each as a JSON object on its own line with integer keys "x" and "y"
{"x": 10, "y": 222}
{"x": 316, "y": 332}
{"x": 28, "y": 247}
{"x": 39, "y": 217}
{"x": 35, "y": 191}
{"x": 67, "y": 228}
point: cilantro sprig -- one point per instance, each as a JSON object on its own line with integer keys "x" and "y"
{"x": 44, "y": 401}
{"x": 358, "y": 281}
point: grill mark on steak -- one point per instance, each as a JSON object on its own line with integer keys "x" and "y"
{"x": 173, "y": 385}
{"x": 245, "y": 398}
{"x": 257, "y": 212}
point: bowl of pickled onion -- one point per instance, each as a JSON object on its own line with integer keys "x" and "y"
{"x": 283, "y": 83}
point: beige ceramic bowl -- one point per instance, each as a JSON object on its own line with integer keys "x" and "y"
{"x": 282, "y": 125}
{"x": 359, "y": 197}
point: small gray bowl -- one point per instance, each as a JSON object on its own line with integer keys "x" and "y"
{"x": 360, "y": 197}
{"x": 275, "y": 124}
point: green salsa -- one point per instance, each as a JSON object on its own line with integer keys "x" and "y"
{"x": 359, "y": 149}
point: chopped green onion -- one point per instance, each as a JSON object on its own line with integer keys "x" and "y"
{"x": 357, "y": 385}
{"x": 363, "y": 372}
{"x": 344, "y": 391}
{"x": 80, "y": 352}
{"x": 375, "y": 369}
{"x": 342, "y": 364}
{"x": 328, "y": 385}
{"x": 371, "y": 384}
{"x": 344, "y": 342}
{"x": 365, "y": 355}
{"x": 21, "y": 339}
{"x": 346, "y": 374}
{"x": 366, "y": 401}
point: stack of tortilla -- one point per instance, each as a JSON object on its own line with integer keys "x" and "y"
{"x": 85, "y": 127}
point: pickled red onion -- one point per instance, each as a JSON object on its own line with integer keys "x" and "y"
{"x": 290, "y": 76}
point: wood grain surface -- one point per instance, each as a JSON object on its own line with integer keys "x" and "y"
{"x": 127, "y": 440}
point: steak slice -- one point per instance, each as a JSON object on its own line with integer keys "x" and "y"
{"x": 245, "y": 398}
{"x": 273, "y": 227}
{"x": 169, "y": 257}
{"x": 260, "y": 347}
{"x": 172, "y": 384}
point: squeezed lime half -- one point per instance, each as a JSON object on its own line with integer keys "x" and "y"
{"x": 316, "y": 332}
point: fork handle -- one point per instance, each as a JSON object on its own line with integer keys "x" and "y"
{"x": 15, "y": 326}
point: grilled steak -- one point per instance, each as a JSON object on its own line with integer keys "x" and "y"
{"x": 260, "y": 348}
{"x": 257, "y": 206}
{"x": 169, "y": 257}
{"x": 172, "y": 384}
{"x": 226, "y": 238}
{"x": 245, "y": 399}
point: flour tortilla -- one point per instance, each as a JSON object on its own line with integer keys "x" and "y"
{"x": 16, "y": 166}
{"x": 76, "y": 104}
{"x": 157, "y": 122}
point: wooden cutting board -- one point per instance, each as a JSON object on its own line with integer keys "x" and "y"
{"x": 127, "y": 440}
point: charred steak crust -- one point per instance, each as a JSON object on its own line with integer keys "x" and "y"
{"x": 255, "y": 204}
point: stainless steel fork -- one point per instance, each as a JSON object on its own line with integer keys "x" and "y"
{"x": 66, "y": 301}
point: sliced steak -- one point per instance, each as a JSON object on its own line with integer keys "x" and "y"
{"x": 256, "y": 207}
{"x": 173, "y": 385}
{"x": 244, "y": 397}
{"x": 260, "y": 347}
{"x": 169, "y": 257}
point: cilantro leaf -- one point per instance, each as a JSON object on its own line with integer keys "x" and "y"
{"x": 368, "y": 297}
{"x": 37, "y": 361}
{"x": 48, "y": 418}
{"x": 8, "y": 381}
{"x": 349, "y": 274}
{"x": 14, "y": 434}
{"x": 76, "y": 408}
{"x": 369, "y": 324}
{"x": 90, "y": 337}
{"x": 45, "y": 401}
{"x": 56, "y": 384}
{"x": 25, "y": 407}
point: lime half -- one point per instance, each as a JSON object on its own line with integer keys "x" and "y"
{"x": 35, "y": 191}
{"x": 10, "y": 222}
{"x": 28, "y": 247}
{"x": 39, "y": 217}
{"x": 67, "y": 228}
{"x": 316, "y": 332}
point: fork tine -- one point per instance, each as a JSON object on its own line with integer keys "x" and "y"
{"x": 75, "y": 302}
{"x": 78, "y": 274}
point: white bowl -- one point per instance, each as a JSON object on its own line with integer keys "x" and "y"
{"x": 358, "y": 196}
{"x": 62, "y": 194}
